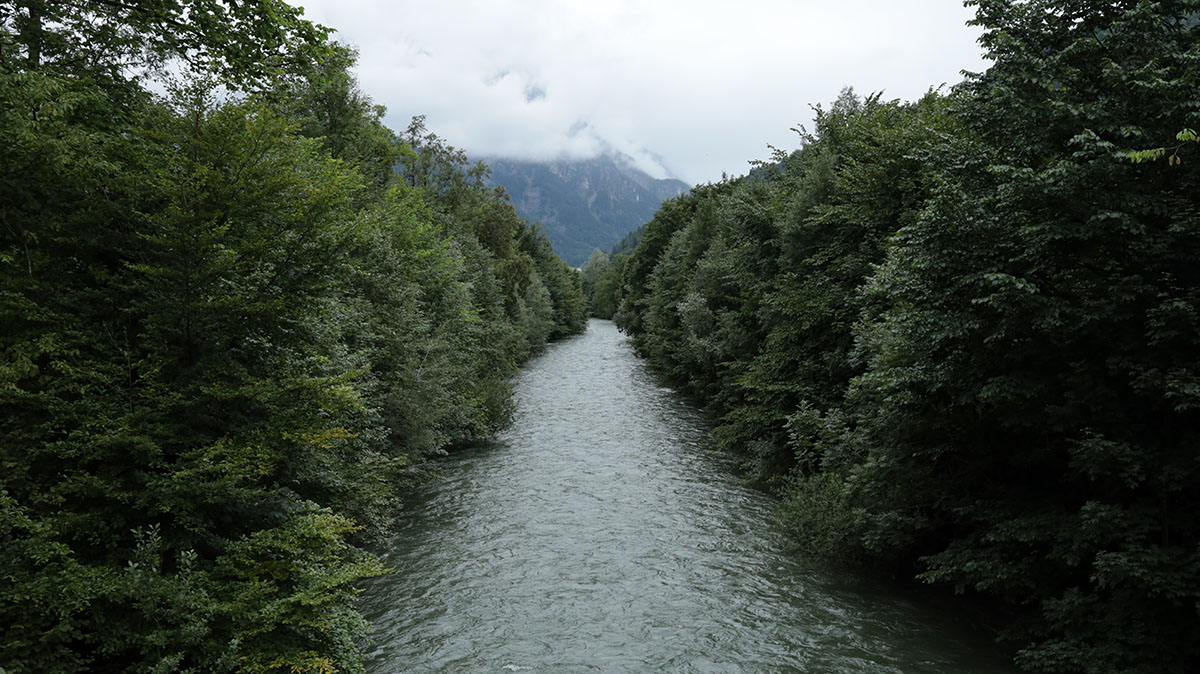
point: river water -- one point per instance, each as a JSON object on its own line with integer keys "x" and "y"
{"x": 603, "y": 533}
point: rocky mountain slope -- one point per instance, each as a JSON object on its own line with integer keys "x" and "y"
{"x": 583, "y": 205}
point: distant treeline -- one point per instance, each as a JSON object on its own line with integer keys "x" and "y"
{"x": 961, "y": 336}
{"x": 234, "y": 317}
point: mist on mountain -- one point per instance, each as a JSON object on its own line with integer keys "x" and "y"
{"x": 583, "y": 204}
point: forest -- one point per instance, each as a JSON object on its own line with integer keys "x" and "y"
{"x": 959, "y": 335}
{"x": 239, "y": 315}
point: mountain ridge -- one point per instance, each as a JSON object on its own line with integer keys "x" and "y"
{"x": 582, "y": 204}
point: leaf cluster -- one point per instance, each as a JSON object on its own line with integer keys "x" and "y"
{"x": 233, "y": 332}
{"x": 958, "y": 335}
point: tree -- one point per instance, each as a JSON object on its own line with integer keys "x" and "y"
{"x": 228, "y": 333}
{"x": 1027, "y": 415}
{"x": 248, "y": 43}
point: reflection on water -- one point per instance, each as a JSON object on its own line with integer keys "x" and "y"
{"x": 602, "y": 533}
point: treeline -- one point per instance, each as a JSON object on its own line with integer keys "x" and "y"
{"x": 234, "y": 317}
{"x": 960, "y": 335}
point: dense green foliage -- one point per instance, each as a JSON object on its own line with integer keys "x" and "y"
{"x": 230, "y": 329}
{"x": 960, "y": 335}
{"x": 602, "y": 282}
{"x": 626, "y": 245}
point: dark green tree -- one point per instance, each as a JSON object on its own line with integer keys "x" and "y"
{"x": 1028, "y": 416}
{"x": 228, "y": 332}
{"x": 606, "y": 281}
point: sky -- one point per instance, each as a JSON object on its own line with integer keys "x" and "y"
{"x": 691, "y": 89}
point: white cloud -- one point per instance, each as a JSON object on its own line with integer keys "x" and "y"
{"x": 706, "y": 85}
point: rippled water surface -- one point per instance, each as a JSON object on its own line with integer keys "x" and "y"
{"x": 602, "y": 533}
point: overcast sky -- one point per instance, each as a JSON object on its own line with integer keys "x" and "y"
{"x": 691, "y": 89}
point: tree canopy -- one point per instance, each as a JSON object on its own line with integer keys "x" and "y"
{"x": 237, "y": 315}
{"x": 958, "y": 335}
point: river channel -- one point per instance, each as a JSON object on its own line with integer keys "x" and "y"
{"x": 603, "y": 533}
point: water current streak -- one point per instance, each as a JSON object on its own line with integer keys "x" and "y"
{"x": 603, "y": 534}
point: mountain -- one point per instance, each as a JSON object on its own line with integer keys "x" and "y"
{"x": 585, "y": 204}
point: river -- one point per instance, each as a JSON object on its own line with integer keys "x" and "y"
{"x": 603, "y": 533}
